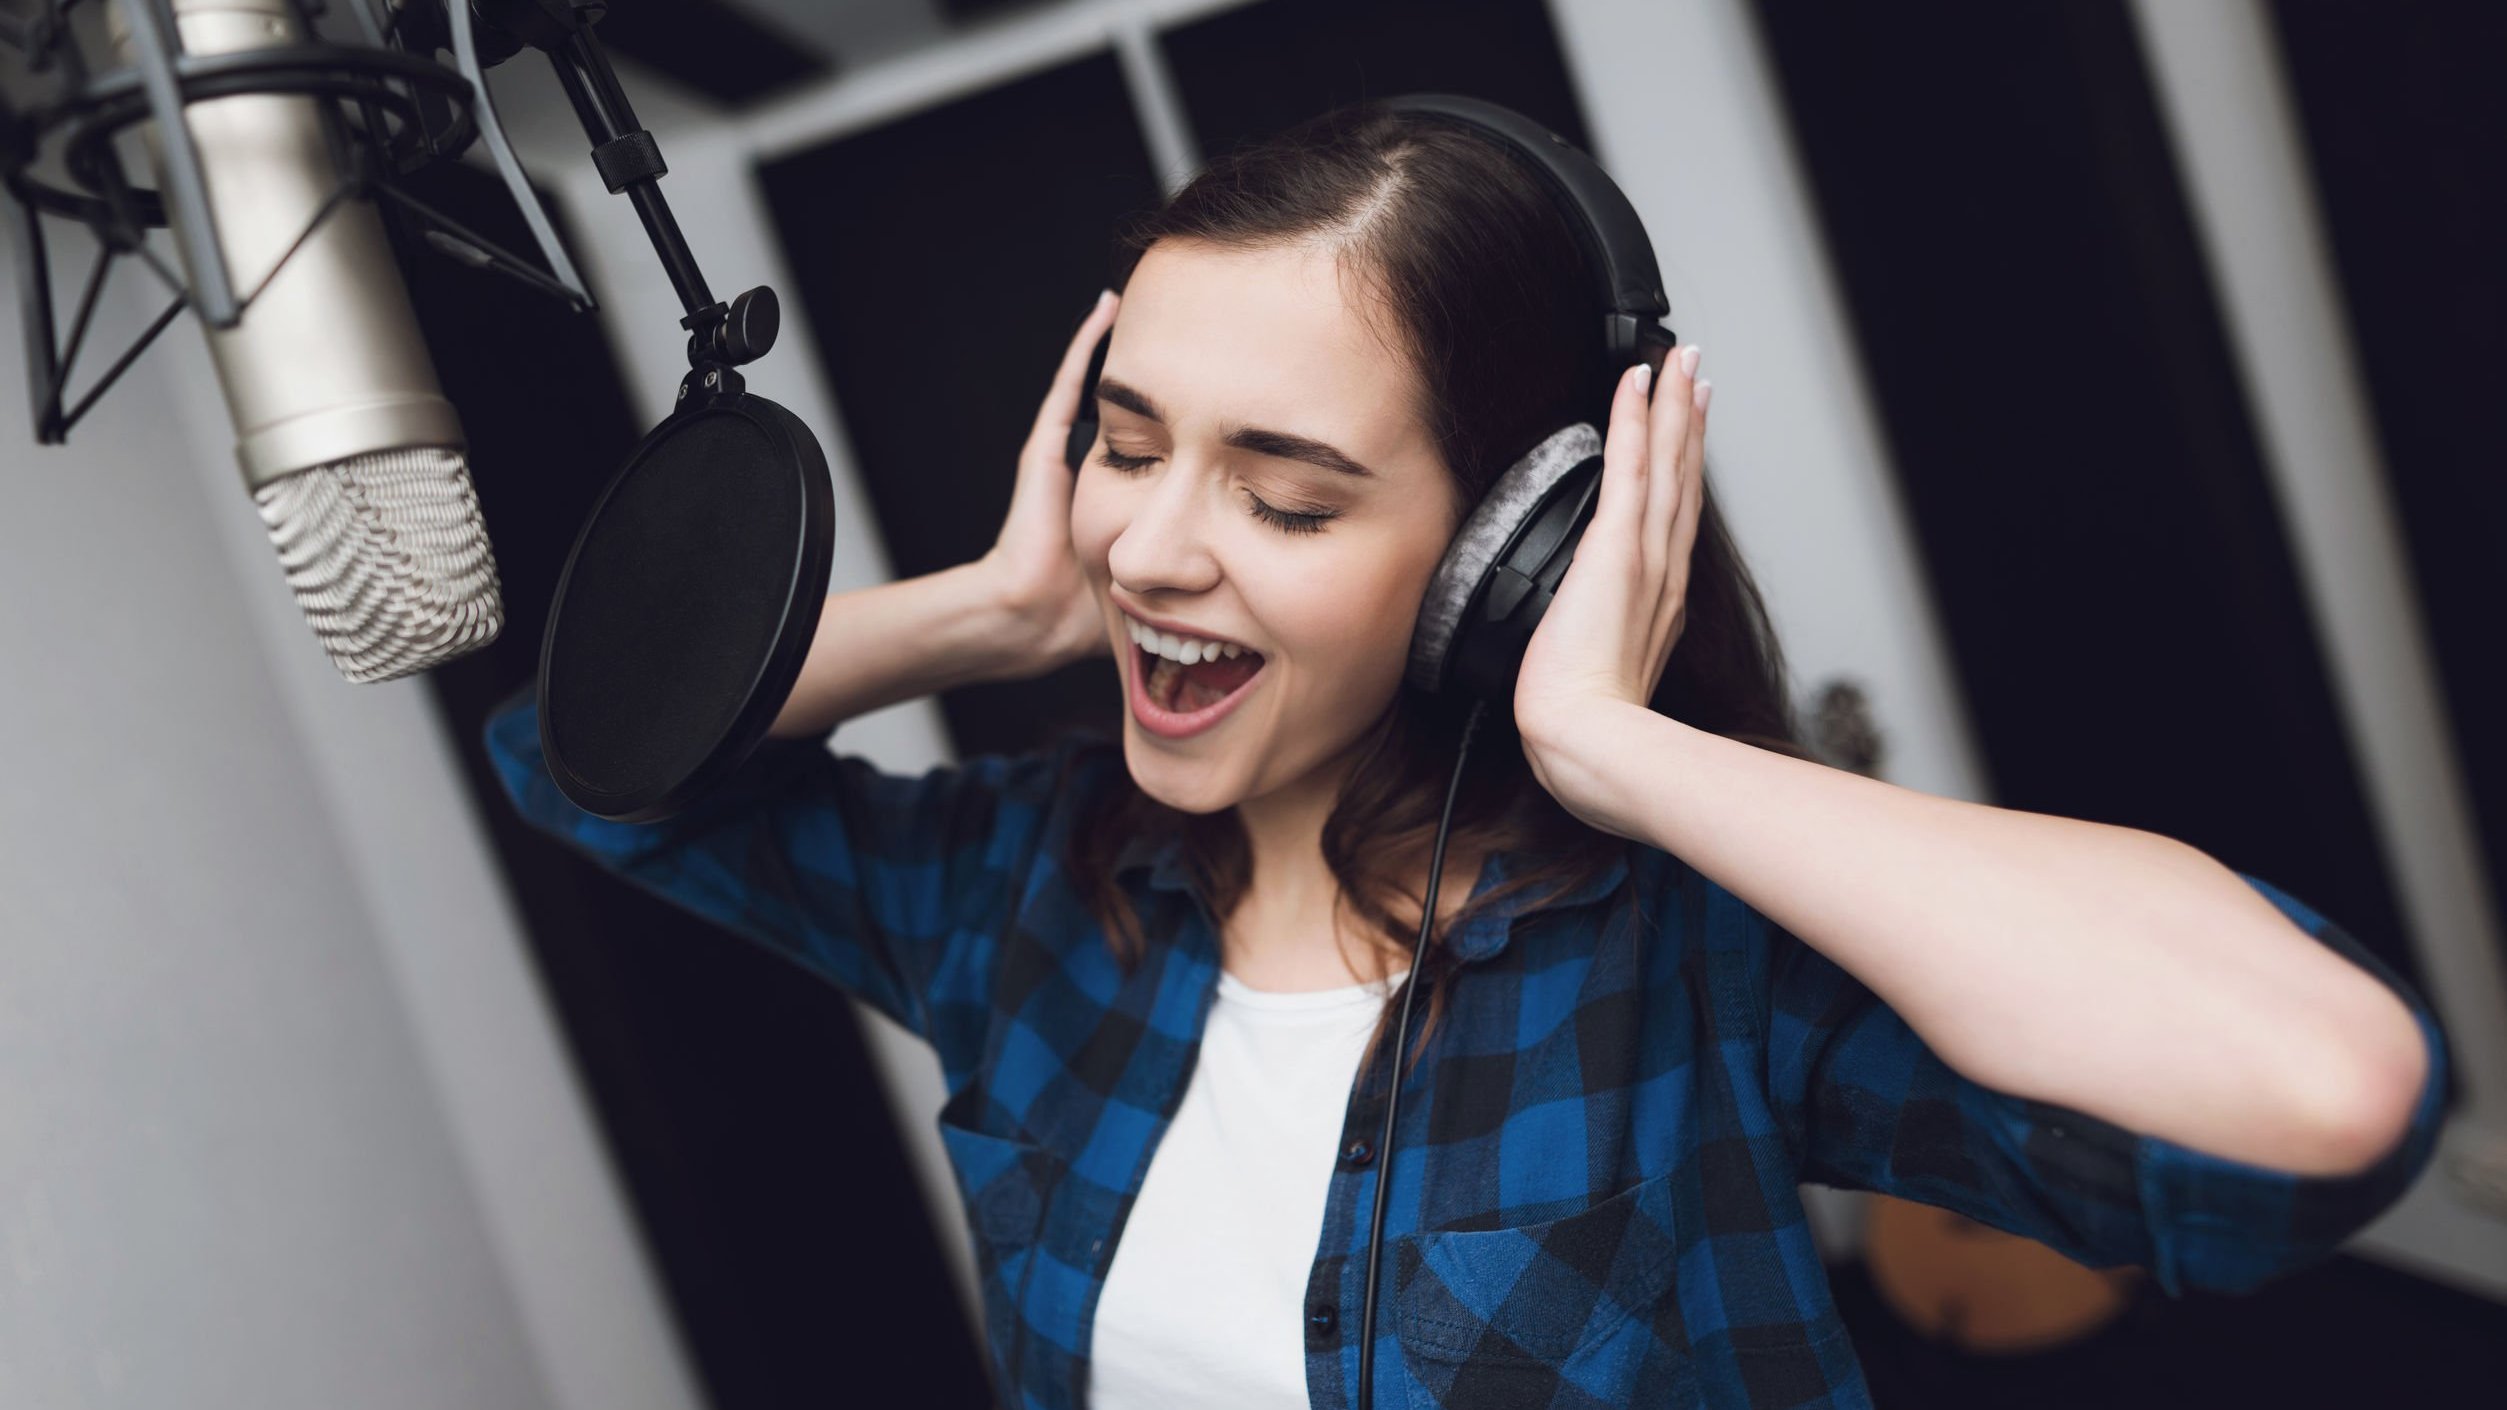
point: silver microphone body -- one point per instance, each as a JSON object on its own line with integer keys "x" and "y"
{"x": 351, "y": 453}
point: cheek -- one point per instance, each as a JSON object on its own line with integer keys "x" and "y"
{"x": 1096, "y": 521}
{"x": 1352, "y": 618}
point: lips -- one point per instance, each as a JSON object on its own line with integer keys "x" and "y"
{"x": 1181, "y": 724}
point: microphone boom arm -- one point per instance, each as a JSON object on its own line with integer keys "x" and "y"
{"x": 720, "y": 336}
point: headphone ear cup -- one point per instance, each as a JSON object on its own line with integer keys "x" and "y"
{"x": 1486, "y": 655}
{"x": 1084, "y": 423}
{"x": 1502, "y": 566}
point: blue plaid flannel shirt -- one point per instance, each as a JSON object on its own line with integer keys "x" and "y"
{"x": 1595, "y": 1198}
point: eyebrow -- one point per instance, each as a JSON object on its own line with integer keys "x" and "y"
{"x": 1283, "y": 444}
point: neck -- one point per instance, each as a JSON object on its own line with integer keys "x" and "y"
{"x": 1284, "y": 933}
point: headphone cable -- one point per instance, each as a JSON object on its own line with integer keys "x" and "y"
{"x": 1392, "y": 1097}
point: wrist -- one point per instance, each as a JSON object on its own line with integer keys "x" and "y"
{"x": 1592, "y": 764}
{"x": 995, "y": 616}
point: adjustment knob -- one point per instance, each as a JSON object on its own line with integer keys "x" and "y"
{"x": 749, "y": 329}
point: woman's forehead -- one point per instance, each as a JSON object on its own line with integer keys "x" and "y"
{"x": 1271, "y": 337}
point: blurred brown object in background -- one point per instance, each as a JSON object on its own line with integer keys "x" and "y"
{"x": 1982, "y": 1290}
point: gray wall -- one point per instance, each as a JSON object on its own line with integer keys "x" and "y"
{"x": 281, "y": 1121}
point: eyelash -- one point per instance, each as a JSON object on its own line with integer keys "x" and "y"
{"x": 1286, "y": 520}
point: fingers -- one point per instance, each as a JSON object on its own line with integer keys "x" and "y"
{"x": 1670, "y": 422}
{"x": 1061, "y": 405}
{"x": 1693, "y": 458}
{"x": 1692, "y": 504}
{"x": 1623, "y": 451}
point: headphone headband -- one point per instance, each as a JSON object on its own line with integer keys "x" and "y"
{"x": 1615, "y": 244}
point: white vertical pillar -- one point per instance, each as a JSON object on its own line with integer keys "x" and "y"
{"x": 2238, "y": 145}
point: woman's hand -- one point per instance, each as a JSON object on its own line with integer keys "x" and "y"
{"x": 1606, "y": 636}
{"x": 1032, "y": 563}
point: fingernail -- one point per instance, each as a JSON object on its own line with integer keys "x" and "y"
{"x": 1104, "y": 297}
{"x": 1645, "y": 379}
{"x": 1704, "y": 390}
{"x": 1688, "y": 359}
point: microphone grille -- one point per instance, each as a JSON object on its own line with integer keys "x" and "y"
{"x": 388, "y": 556}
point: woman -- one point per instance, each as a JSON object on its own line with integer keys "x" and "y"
{"x": 1679, "y": 968}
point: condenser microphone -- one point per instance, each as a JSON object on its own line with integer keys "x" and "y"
{"x": 692, "y": 594}
{"x": 352, "y": 455}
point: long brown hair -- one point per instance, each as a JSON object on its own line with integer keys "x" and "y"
{"x": 1490, "y": 297}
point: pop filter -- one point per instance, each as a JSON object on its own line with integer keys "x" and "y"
{"x": 687, "y": 605}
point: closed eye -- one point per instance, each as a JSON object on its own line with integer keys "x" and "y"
{"x": 1291, "y": 521}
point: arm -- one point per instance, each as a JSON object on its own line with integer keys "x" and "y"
{"x": 880, "y": 882}
{"x": 2097, "y": 1038}
{"x": 2116, "y": 971}
{"x": 902, "y": 641}
{"x": 869, "y": 879}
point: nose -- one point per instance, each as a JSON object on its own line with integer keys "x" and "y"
{"x": 1165, "y": 546}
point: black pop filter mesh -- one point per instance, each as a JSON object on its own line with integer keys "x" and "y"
{"x": 686, "y": 609}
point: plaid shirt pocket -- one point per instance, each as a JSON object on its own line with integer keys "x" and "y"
{"x": 1573, "y": 1311}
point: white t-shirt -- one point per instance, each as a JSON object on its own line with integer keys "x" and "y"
{"x": 1204, "y": 1305}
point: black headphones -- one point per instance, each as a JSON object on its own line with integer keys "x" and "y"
{"x": 1498, "y": 575}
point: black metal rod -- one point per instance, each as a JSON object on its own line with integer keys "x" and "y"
{"x": 671, "y": 246}
{"x": 595, "y": 60}
{"x": 579, "y": 57}
{"x": 79, "y": 321}
{"x": 34, "y": 288}
{"x": 120, "y": 365}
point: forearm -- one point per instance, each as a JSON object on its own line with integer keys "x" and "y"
{"x": 2115, "y": 971}
{"x": 901, "y": 641}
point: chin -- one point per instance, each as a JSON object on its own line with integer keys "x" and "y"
{"x": 1188, "y": 786}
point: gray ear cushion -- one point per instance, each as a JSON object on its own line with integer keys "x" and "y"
{"x": 1483, "y": 536}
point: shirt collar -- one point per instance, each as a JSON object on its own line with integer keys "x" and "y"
{"x": 1163, "y": 854}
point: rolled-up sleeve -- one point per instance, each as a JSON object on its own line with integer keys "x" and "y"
{"x": 890, "y": 885}
{"x": 1864, "y": 1103}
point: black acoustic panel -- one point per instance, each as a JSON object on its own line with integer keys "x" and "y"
{"x": 748, "y": 1122}
{"x": 2035, "y": 317}
{"x": 1248, "y": 72}
{"x": 2405, "y": 121}
{"x": 944, "y": 262}
{"x": 962, "y": 10}
{"x": 728, "y": 52}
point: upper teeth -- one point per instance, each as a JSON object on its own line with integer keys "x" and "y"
{"x": 1189, "y": 650}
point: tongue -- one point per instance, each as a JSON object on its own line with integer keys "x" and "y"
{"x": 1210, "y": 682}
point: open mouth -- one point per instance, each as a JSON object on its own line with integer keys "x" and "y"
{"x": 1174, "y": 699}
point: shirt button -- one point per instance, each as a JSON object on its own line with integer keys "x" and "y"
{"x": 1358, "y": 1152}
{"x": 1319, "y": 1322}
